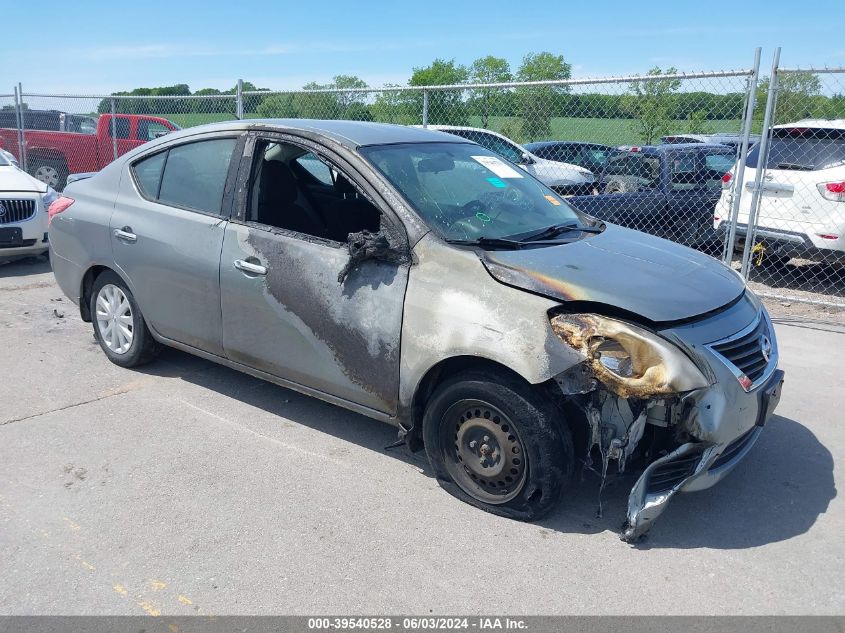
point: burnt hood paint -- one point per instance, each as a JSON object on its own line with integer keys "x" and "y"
{"x": 625, "y": 269}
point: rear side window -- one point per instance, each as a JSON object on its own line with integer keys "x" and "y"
{"x": 148, "y": 174}
{"x": 802, "y": 149}
{"x": 191, "y": 176}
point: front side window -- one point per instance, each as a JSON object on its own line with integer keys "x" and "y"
{"x": 467, "y": 192}
{"x": 191, "y": 176}
{"x": 295, "y": 190}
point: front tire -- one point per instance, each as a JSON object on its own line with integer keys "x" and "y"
{"x": 493, "y": 442}
{"x": 119, "y": 326}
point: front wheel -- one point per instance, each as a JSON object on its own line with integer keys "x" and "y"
{"x": 119, "y": 326}
{"x": 494, "y": 443}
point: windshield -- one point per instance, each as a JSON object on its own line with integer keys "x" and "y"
{"x": 802, "y": 149}
{"x": 466, "y": 192}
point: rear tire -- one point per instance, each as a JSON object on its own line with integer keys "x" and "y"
{"x": 119, "y": 326}
{"x": 494, "y": 443}
{"x": 51, "y": 171}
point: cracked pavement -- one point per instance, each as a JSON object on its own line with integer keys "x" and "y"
{"x": 190, "y": 488}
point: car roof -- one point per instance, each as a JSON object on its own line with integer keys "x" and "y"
{"x": 834, "y": 124}
{"x": 550, "y": 143}
{"x": 352, "y": 134}
{"x": 675, "y": 147}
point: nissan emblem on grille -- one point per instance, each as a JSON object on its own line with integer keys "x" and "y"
{"x": 765, "y": 347}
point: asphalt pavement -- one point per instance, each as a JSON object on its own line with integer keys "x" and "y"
{"x": 189, "y": 488}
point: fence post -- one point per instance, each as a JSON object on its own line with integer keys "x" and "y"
{"x": 239, "y": 103}
{"x": 425, "y": 109}
{"x": 762, "y": 159}
{"x": 19, "y": 124}
{"x": 739, "y": 175}
{"x": 113, "y": 126}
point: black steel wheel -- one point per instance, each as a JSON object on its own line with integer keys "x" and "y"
{"x": 496, "y": 443}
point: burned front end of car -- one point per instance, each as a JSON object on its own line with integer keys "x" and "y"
{"x": 684, "y": 401}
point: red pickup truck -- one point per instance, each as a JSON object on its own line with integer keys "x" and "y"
{"x": 51, "y": 156}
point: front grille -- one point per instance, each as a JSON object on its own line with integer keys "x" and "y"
{"x": 670, "y": 474}
{"x": 733, "y": 449}
{"x": 16, "y": 210}
{"x": 746, "y": 352}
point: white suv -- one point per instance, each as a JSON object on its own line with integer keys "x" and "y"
{"x": 802, "y": 202}
{"x": 564, "y": 178}
{"x": 23, "y": 212}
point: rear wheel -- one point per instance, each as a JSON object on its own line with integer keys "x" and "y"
{"x": 52, "y": 171}
{"x": 119, "y": 326}
{"x": 497, "y": 445}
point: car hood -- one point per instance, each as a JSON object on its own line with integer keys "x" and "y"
{"x": 14, "y": 179}
{"x": 625, "y": 269}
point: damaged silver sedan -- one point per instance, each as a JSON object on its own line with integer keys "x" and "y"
{"x": 419, "y": 279}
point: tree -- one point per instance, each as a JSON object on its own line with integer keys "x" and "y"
{"x": 489, "y": 70}
{"x": 798, "y": 97}
{"x": 697, "y": 123}
{"x": 278, "y": 106}
{"x": 445, "y": 107}
{"x": 394, "y": 106}
{"x": 347, "y": 99}
{"x": 538, "y": 103}
{"x": 651, "y": 103}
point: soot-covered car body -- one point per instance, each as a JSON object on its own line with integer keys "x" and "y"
{"x": 419, "y": 279}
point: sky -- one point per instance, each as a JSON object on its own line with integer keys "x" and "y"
{"x": 97, "y": 47}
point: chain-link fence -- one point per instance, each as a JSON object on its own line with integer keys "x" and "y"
{"x": 672, "y": 154}
{"x": 795, "y": 189}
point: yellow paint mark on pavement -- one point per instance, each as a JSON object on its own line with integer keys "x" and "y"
{"x": 84, "y": 563}
{"x": 185, "y": 599}
{"x": 149, "y": 608}
{"x": 120, "y": 589}
{"x": 173, "y": 628}
{"x": 72, "y": 524}
{"x": 157, "y": 585}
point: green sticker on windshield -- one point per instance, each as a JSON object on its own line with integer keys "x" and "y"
{"x": 497, "y": 182}
{"x": 483, "y": 217}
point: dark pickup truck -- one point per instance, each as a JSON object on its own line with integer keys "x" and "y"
{"x": 666, "y": 190}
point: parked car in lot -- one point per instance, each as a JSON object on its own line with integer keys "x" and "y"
{"x": 51, "y": 155}
{"x": 418, "y": 278}
{"x": 592, "y": 156}
{"x": 54, "y": 120}
{"x": 732, "y": 140}
{"x": 666, "y": 190}
{"x": 802, "y": 200}
{"x": 564, "y": 178}
{"x": 23, "y": 212}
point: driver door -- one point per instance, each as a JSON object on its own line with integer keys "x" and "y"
{"x": 286, "y": 308}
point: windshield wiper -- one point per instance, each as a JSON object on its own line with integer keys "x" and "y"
{"x": 492, "y": 242}
{"x": 795, "y": 166}
{"x": 556, "y": 229}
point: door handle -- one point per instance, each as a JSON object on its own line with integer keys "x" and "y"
{"x": 250, "y": 268}
{"x": 125, "y": 234}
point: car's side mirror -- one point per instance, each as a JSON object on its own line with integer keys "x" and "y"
{"x": 161, "y": 133}
{"x": 526, "y": 159}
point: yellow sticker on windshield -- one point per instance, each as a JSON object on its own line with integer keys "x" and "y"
{"x": 553, "y": 200}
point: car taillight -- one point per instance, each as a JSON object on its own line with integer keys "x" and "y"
{"x": 726, "y": 180}
{"x": 832, "y": 190}
{"x": 57, "y": 206}
{"x": 828, "y": 236}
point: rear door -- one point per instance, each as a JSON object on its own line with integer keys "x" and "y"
{"x": 167, "y": 233}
